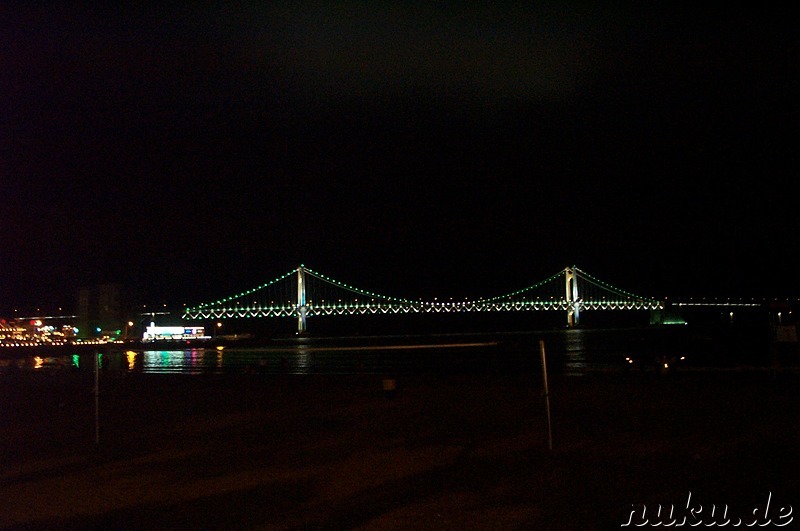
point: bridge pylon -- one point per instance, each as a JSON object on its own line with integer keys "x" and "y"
{"x": 573, "y": 302}
{"x": 301, "y": 300}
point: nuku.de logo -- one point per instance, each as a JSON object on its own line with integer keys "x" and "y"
{"x": 695, "y": 514}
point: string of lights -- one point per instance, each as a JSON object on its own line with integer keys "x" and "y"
{"x": 327, "y": 296}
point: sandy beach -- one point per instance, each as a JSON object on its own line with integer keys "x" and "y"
{"x": 445, "y": 452}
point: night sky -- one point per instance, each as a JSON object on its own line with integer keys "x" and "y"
{"x": 408, "y": 149}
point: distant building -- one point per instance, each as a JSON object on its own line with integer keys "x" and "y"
{"x": 173, "y": 333}
{"x": 102, "y": 310}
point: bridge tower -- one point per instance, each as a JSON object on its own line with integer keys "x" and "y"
{"x": 301, "y": 300}
{"x": 573, "y": 302}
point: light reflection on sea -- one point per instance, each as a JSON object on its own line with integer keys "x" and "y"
{"x": 572, "y": 352}
{"x": 575, "y": 363}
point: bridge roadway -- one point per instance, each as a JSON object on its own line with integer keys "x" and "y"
{"x": 304, "y": 293}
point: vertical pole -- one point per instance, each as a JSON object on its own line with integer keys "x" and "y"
{"x": 301, "y": 300}
{"x": 97, "y": 398}
{"x": 546, "y": 396}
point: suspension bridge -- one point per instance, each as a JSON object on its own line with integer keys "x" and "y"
{"x": 303, "y": 293}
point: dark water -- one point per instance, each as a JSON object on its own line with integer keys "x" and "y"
{"x": 568, "y": 351}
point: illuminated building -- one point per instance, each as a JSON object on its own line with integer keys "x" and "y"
{"x": 173, "y": 333}
{"x": 12, "y": 332}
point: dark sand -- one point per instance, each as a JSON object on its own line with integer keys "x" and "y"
{"x": 446, "y": 452}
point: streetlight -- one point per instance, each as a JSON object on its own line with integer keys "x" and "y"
{"x": 219, "y": 325}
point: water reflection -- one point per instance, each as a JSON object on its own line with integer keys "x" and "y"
{"x": 131, "y": 356}
{"x": 49, "y": 362}
{"x": 161, "y": 360}
{"x": 575, "y": 350}
{"x": 193, "y": 361}
{"x": 301, "y": 360}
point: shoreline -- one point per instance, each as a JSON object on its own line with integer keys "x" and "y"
{"x": 443, "y": 451}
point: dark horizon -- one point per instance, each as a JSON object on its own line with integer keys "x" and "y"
{"x": 414, "y": 151}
